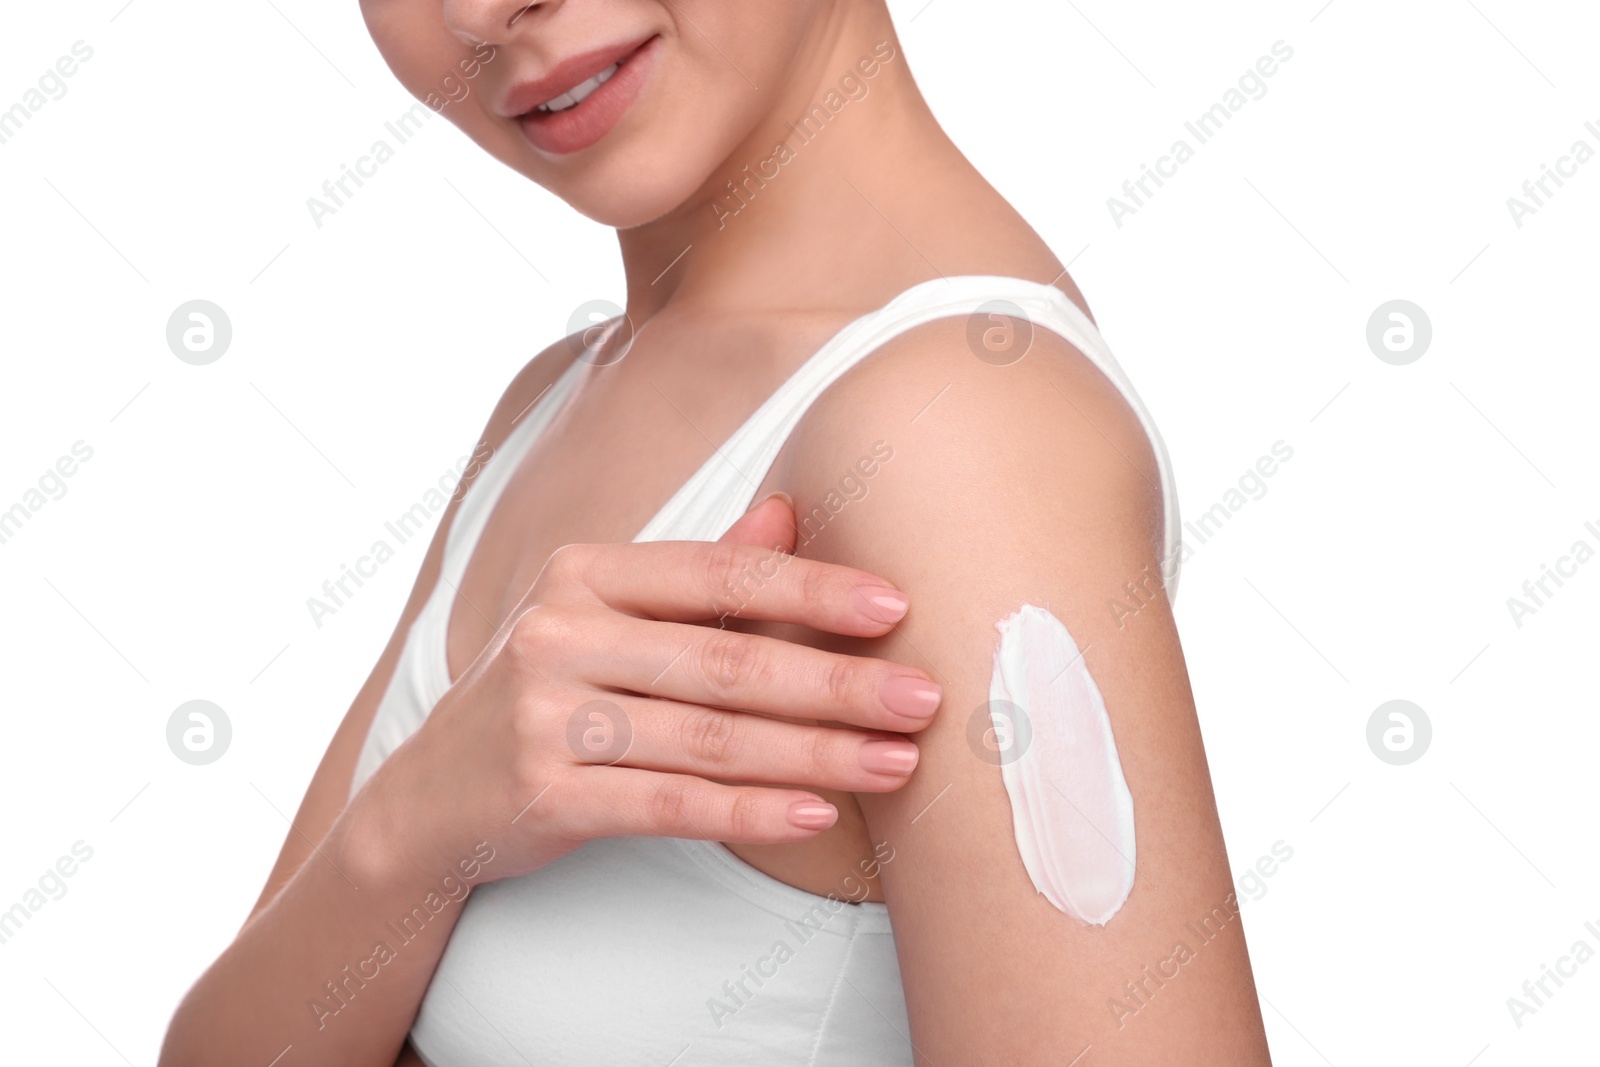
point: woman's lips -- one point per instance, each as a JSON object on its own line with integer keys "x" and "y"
{"x": 578, "y": 127}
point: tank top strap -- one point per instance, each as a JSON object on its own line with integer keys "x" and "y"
{"x": 723, "y": 489}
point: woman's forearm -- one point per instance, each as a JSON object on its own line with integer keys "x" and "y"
{"x": 334, "y": 967}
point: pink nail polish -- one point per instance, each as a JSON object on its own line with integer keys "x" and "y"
{"x": 888, "y": 757}
{"x": 881, "y": 604}
{"x": 810, "y": 815}
{"x": 912, "y": 697}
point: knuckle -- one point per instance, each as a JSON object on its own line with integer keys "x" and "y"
{"x": 538, "y": 719}
{"x": 529, "y": 773}
{"x": 567, "y": 564}
{"x": 667, "y": 802}
{"x": 538, "y": 633}
{"x": 722, "y": 571}
{"x": 745, "y": 814}
{"x": 818, "y": 587}
{"x": 711, "y": 737}
{"x": 817, "y": 755}
{"x": 841, "y": 681}
{"x": 527, "y": 729}
{"x": 730, "y": 665}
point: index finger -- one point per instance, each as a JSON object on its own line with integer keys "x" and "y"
{"x": 690, "y": 581}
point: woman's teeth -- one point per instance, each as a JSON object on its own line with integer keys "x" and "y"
{"x": 575, "y": 95}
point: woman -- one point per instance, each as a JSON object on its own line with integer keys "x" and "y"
{"x": 693, "y": 759}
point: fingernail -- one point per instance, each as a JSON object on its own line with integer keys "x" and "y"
{"x": 810, "y": 815}
{"x": 910, "y": 696}
{"x": 787, "y": 499}
{"x": 889, "y": 757}
{"x": 882, "y": 604}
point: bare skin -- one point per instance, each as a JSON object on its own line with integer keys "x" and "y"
{"x": 881, "y": 201}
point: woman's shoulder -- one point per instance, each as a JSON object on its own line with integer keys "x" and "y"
{"x": 532, "y": 381}
{"x": 956, "y": 418}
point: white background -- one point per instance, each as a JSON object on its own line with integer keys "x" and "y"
{"x": 367, "y": 354}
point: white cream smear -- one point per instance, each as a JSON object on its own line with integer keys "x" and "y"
{"x": 1070, "y": 806}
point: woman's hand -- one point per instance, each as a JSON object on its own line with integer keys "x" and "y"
{"x": 605, "y": 705}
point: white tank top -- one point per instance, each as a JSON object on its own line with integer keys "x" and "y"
{"x": 667, "y": 951}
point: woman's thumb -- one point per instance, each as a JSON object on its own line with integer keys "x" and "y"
{"x": 769, "y": 523}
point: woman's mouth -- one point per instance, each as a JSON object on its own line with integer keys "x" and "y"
{"x": 575, "y": 95}
{"x": 593, "y": 101}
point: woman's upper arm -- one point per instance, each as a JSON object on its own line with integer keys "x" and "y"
{"x": 1031, "y": 483}
{"x": 329, "y": 791}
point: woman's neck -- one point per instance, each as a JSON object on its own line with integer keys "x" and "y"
{"x": 814, "y": 205}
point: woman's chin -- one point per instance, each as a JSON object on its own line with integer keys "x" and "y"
{"x": 620, "y": 200}
{"x": 628, "y": 211}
